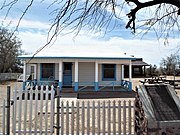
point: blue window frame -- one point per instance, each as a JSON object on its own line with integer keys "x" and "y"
{"x": 108, "y": 72}
{"x": 47, "y": 71}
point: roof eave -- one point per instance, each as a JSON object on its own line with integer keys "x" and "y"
{"x": 115, "y": 58}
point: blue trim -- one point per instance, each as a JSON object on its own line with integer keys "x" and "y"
{"x": 60, "y": 85}
{"x": 46, "y": 79}
{"x": 24, "y": 85}
{"x": 108, "y": 79}
{"x": 76, "y": 86}
{"x": 96, "y": 86}
{"x": 130, "y": 86}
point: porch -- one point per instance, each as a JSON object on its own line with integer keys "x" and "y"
{"x": 89, "y": 92}
{"x": 80, "y": 74}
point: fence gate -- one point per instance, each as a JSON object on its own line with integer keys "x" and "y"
{"x": 33, "y": 111}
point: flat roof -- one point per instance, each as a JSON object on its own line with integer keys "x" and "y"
{"x": 79, "y": 52}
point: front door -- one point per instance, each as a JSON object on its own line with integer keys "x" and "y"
{"x": 67, "y": 74}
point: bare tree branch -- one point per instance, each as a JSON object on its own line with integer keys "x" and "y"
{"x": 139, "y": 5}
{"x": 23, "y": 14}
{"x": 100, "y": 15}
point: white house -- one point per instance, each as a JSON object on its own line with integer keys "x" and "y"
{"x": 78, "y": 67}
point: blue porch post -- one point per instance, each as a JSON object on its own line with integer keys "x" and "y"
{"x": 24, "y": 85}
{"x": 130, "y": 86}
{"x": 96, "y": 86}
{"x": 60, "y": 75}
{"x": 76, "y": 84}
{"x": 60, "y": 85}
{"x": 35, "y": 82}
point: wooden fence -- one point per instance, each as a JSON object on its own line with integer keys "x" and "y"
{"x": 97, "y": 117}
{"x": 36, "y": 110}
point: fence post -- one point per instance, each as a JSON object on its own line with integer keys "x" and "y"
{"x": 58, "y": 110}
{"x": 8, "y": 110}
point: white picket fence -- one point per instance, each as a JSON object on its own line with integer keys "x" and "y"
{"x": 97, "y": 117}
{"x": 35, "y": 112}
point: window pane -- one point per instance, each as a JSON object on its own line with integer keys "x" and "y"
{"x": 47, "y": 70}
{"x": 32, "y": 69}
{"x": 109, "y": 71}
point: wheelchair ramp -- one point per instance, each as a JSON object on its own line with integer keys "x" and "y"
{"x": 164, "y": 106}
{"x": 157, "y": 110}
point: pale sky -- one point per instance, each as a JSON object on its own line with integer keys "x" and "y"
{"x": 34, "y": 27}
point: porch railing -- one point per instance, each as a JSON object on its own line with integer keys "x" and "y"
{"x": 110, "y": 84}
{"x": 126, "y": 85}
{"x": 84, "y": 85}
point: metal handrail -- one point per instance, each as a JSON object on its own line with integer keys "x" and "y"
{"x": 111, "y": 84}
{"x": 86, "y": 84}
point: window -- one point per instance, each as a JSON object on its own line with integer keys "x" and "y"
{"x": 47, "y": 71}
{"x": 109, "y": 72}
{"x": 32, "y": 68}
